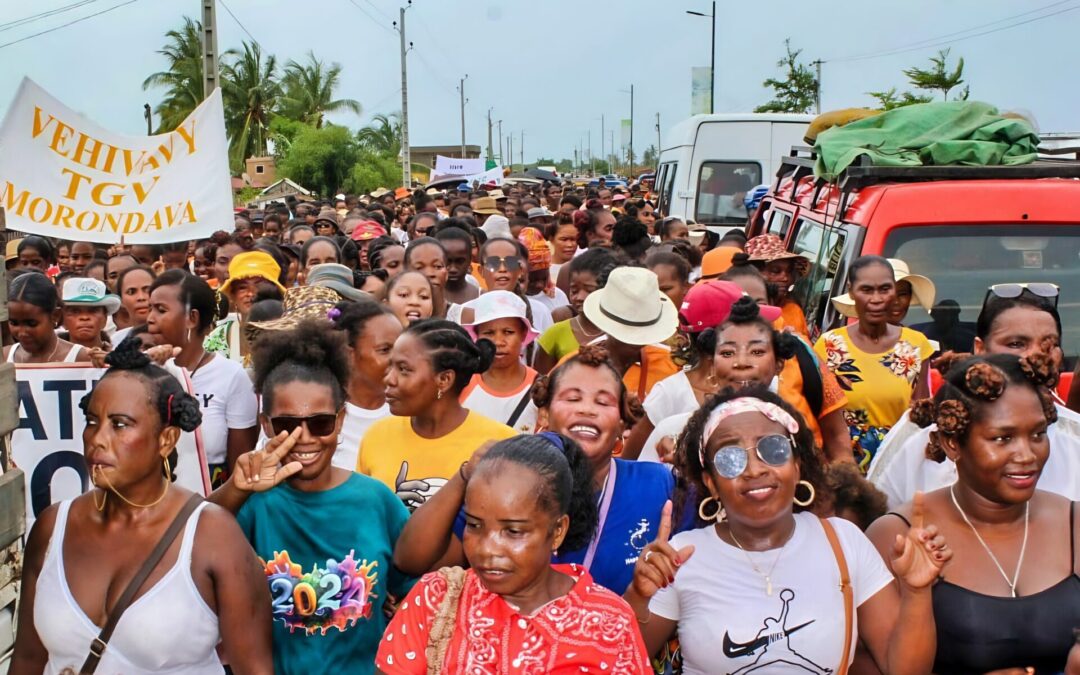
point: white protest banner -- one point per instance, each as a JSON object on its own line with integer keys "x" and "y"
{"x": 62, "y": 175}
{"x": 455, "y": 166}
{"x": 492, "y": 176}
{"x": 48, "y": 445}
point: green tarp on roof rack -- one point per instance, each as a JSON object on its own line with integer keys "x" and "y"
{"x": 958, "y": 132}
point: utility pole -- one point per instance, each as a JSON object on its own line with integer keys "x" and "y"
{"x": 461, "y": 89}
{"x": 712, "y": 58}
{"x": 406, "y": 154}
{"x": 602, "y": 137}
{"x": 510, "y": 147}
{"x": 817, "y": 93}
{"x": 209, "y": 47}
{"x": 631, "y": 174}
{"x": 611, "y": 168}
{"x": 502, "y": 157}
{"x": 657, "y": 136}
{"x": 149, "y": 119}
{"x": 522, "y": 149}
{"x": 490, "y": 152}
{"x": 592, "y": 164}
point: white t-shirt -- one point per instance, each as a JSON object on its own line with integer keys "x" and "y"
{"x": 670, "y": 396}
{"x": 119, "y": 336}
{"x": 728, "y": 624}
{"x": 541, "y": 315}
{"x": 357, "y": 421}
{"x": 900, "y": 467}
{"x": 669, "y": 426}
{"x": 227, "y": 401}
{"x": 560, "y": 299}
{"x": 499, "y": 406}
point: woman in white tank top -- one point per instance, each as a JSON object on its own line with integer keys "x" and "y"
{"x": 82, "y": 554}
{"x": 33, "y": 315}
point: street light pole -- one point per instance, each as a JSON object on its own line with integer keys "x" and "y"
{"x": 712, "y": 57}
{"x": 149, "y": 119}
{"x": 461, "y": 90}
{"x": 502, "y": 157}
{"x": 406, "y": 155}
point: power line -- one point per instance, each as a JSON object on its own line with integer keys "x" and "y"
{"x": 65, "y": 25}
{"x": 381, "y": 13}
{"x": 941, "y": 40}
{"x": 238, "y": 23}
{"x": 378, "y": 23}
{"x": 42, "y": 15}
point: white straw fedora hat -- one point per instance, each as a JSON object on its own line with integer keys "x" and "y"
{"x": 631, "y": 308}
{"x": 922, "y": 289}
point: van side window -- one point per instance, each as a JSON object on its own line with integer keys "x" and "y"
{"x": 779, "y": 223}
{"x": 825, "y": 249}
{"x": 721, "y": 189}
{"x": 666, "y": 185}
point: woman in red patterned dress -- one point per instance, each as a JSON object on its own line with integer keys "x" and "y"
{"x": 513, "y": 611}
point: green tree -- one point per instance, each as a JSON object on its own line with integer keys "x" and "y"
{"x": 797, "y": 92}
{"x": 183, "y": 77}
{"x": 938, "y": 77}
{"x": 651, "y": 156}
{"x": 308, "y": 91}
{"x": 889, "y": 100}
{"x": 373, "y": 170}
{"x": 382, "y": 136}
{"x": 282, "y": 132}
{"x": 320, "y": 159}
{"x": 601, "y": 166}
{"x": 251, "y": 94}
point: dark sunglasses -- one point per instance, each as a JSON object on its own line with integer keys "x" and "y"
{"x": 731, "y": 460}
{"x": 1041, "y": 289}
{"x": 317, "y": 425}
{"x": 512, "y": 263}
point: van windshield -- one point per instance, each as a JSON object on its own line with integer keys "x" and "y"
{"x": 721, "y": 189}
{"x": 963, "y": 261}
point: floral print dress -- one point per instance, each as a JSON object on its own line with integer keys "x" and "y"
{"x": 878, "y": 386}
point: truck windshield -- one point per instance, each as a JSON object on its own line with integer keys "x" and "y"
{"x": 964, "y": 261}
{"x": 720, "y": 191}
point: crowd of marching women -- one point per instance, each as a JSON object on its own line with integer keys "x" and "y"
{"x": 540, "y": 429}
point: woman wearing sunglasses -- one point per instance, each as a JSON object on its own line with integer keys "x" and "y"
{"x": 324, "y": 535}
{"x": 997, "y": 606}
{"x": 762, "y": 578}
{"x": 585, "y": 400}
{"x": 505, "y": 268}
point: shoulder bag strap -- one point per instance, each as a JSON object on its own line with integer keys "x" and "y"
{"x": 643, "y": 380}
{"x": 522, "y": 403}
{"x": 97, "y": 647}
{"x": 845, "y": 588}
{"x": 813, "y": 387}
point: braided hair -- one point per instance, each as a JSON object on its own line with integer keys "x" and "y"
{"x": 690, "y": 447}
{"x": 174, "y": 406}
{"x": 586, "y": 220}
{"x": 599, "y": 262}
{"x": 973, "y": 381}
{"x": 352, "y": 317}
{"x": 590, "y": 356}
{"x": 449, "y": 347}
{"x": 376, "y": 249}
{"x": 746, "y": 312}
{"x": 565, "y": 485}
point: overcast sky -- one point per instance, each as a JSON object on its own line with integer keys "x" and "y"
{"x": 553, "y": 67}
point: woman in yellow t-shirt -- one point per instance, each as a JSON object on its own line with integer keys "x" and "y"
{"x": 430, "y": 435}
{"x": 878, "y": 364}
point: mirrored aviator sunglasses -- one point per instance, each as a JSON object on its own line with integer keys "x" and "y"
{"x": 512, "y": 262}
{"x": 1040, "y": 289}
{"x": 317, "y": 425}
{"x": 731, "y": 461}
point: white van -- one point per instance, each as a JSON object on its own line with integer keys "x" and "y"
{"x": 709, "y": 162}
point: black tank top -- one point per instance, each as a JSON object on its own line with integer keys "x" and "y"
{"x": 977, "y": 633}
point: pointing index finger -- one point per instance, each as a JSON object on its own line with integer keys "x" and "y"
{"x": 664, "y": 532}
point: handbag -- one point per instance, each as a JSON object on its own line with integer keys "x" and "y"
{"x": 97, "y": 647}
{"x": 442, "y": 624}
{"x": 845, "y": 589}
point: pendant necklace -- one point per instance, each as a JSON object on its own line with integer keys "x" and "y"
{"x": 1023, "y": 546}
{"x": 766, "y": 577}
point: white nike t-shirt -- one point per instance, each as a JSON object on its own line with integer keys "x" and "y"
{"x": 728, "y": 623}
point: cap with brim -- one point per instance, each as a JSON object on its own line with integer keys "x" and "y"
{"x": 538, "y": 212}
{"x": 252, "y": 264}
{"x": 338, "y": 278}
{"x": 717, "y": 261}
{"x": 301, "y": 304}
{"x": 618, "y": 197}
{"x": 464, "y": 187}
{"x": 11, "y": 251}
{"x": 87, "y": 292}
{"x": 497, "y": 226}
{"x": 709, "y": 303}
{"x": 401, "y": 193}
{"x": 330, "y": 217}
{"x": 922, "y": 290}
{"x": 366, "y": 230}
{"x": 290, "y": 249}
{"x": 486, "y": 205}
{"x": 631, "y": 308}
{"x": 379, "y": 192}
{"x": 495, "y": 305}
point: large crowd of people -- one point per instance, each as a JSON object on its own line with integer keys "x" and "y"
{"x": 541, "y": 428}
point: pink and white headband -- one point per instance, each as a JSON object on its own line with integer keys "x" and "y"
{"x": 741, "y": 405}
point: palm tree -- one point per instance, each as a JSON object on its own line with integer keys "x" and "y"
{"x": 183, "y": 79}
{"x": 382, "y": 136}
{"x": 309, "y": 91}
{"x": 251, "y": 95}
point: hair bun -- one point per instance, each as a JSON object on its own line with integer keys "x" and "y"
{"x": 128, "y": 355}
{"x": 923, "y": 412}
{"x": 985, "y": 381}
{"x": 1039, "y": 367}
{"x": 486, "y": 355}
{"x": 952, "y": 418}
{"x": 744, "y": 310}
{"x": 184, "y": 412}
{"x": 740, "y": 259}
{"x": 944, "y": 363}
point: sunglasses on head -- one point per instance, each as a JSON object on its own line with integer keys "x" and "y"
{"x": 511, "y": 262}
{"x": 1040, "y": 289}
{"x": 317, "y": 425}
{"x": 731, "y": 461}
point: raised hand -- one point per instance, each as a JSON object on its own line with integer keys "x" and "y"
{"x": 260, "y": 470}
{"x": 919, "y": 556}
{"x": 410, "y": 491}
{"x": 659, "y": 562}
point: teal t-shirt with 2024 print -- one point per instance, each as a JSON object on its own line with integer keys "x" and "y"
{"x": 328, "y": 560}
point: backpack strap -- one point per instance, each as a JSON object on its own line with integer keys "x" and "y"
{"x": 812, "y": 386}
{"x": 845, "y": 589}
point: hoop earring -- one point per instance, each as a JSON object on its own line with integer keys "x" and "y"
{"x": 168, "y": 469}
{"x": 718, "y": 516}
{"x": 813, "y": 493}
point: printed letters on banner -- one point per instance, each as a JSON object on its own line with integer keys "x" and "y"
{"x": 455, "y": 166}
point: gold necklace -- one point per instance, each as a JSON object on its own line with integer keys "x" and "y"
{"x": 105, "y": 497}
{"x": 585, "y": 332}
{"x": 767, "y": 577}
